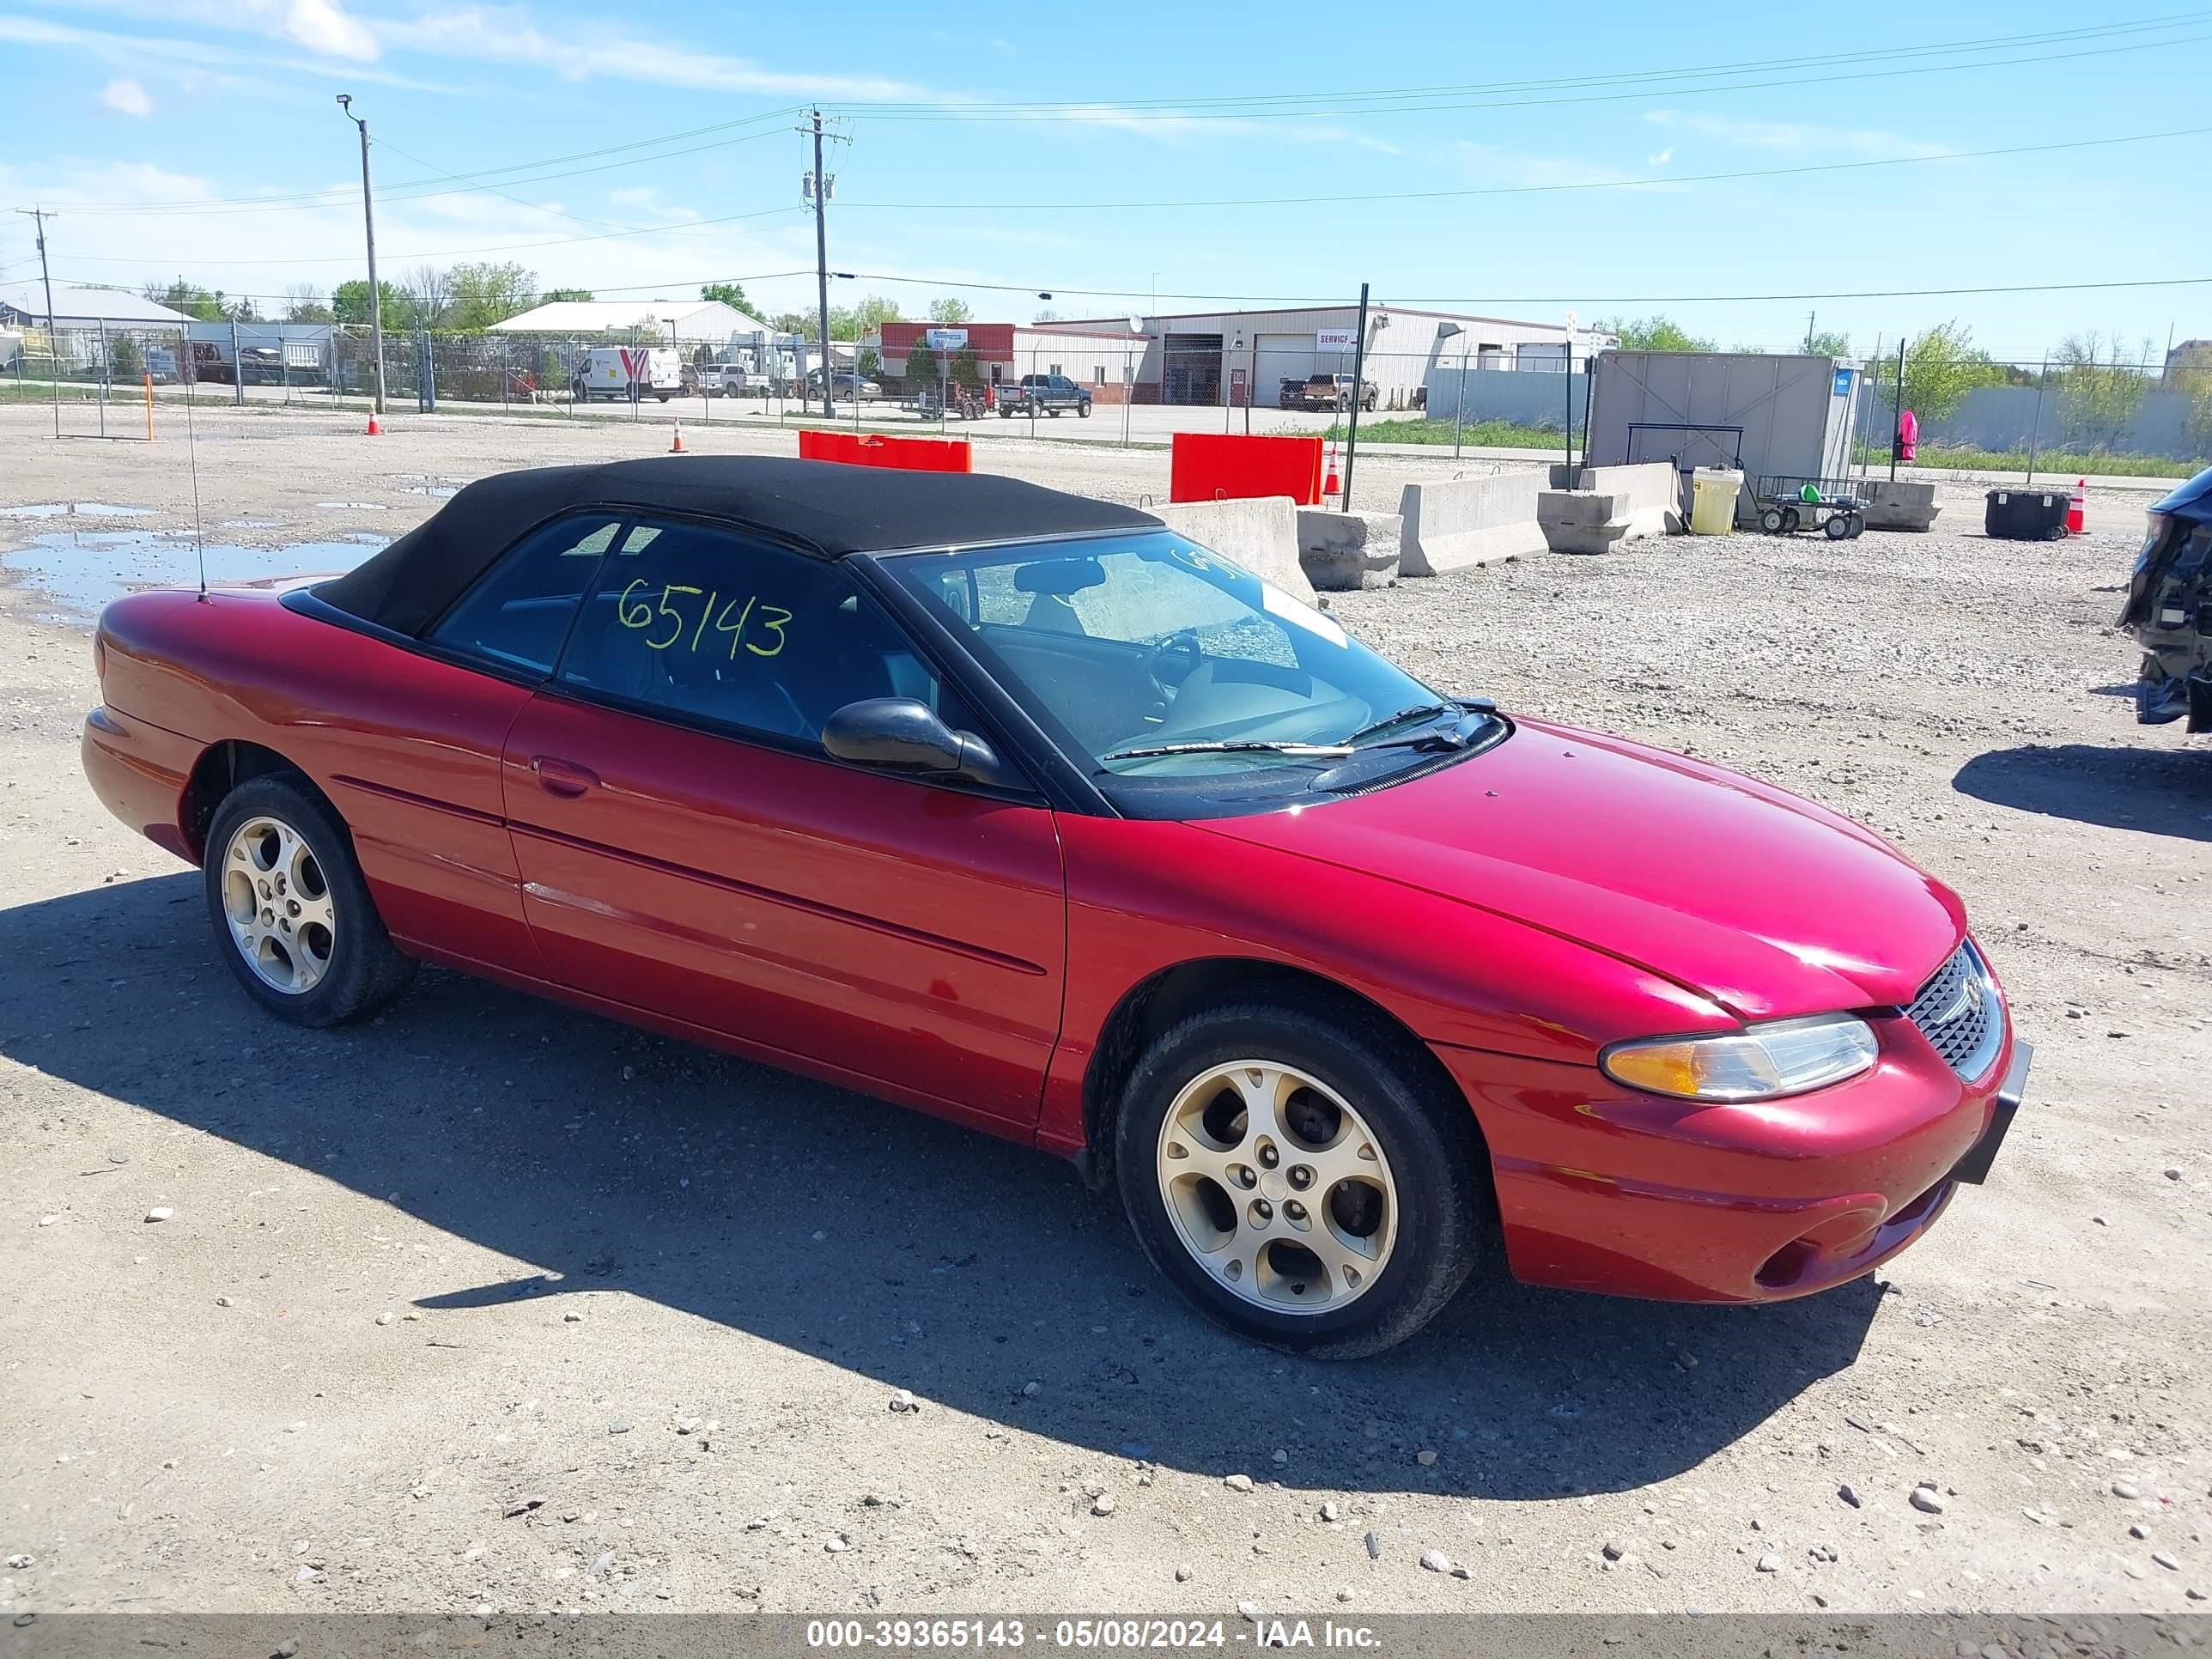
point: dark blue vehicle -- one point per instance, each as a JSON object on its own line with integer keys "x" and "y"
{"x": 2169, "y": 609}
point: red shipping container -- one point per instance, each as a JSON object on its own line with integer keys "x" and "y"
{"x": 871, "y": 449}
{"x": 1209, "y": 466}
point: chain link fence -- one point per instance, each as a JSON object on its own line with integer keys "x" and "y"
{"x": 2076, "y": 414}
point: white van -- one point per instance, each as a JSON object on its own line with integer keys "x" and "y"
{"x": 612, "y": 371}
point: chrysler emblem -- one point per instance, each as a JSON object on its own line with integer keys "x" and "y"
{"x": 1967, "y": 1000}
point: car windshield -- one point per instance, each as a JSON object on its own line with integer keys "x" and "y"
{"x": 1156, "y": 659}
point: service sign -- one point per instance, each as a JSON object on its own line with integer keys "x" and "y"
{"x": 946, "y": 339}
{"x": 1335, "y": 339}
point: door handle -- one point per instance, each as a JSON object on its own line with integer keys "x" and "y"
{"x": 557, "y": 776}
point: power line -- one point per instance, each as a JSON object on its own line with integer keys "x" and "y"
{"x": 341, "y": 196}
{"x": 1172, "y": 105}
{"x": 910, "y": 280}
{"x": 1657, "y": 181}
{"x": 1275, "y": 109}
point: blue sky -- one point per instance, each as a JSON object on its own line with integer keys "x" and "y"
{"x": 1006, "y": 144}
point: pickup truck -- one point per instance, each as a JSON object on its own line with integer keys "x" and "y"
{"x": 1334, "y": 392}
{"x": 1043, "y": 394}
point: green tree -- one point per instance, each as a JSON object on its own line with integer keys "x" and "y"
{"x": 485, "y": 294}
{"x": 965, "y": 371}
{"x": 303, "y": 303}
{"x": 794, "y": 322}
{"x": 125, "y": 363}
{"x": 730, "y": 294}
{"x": 349, "y": 304}
{"x": 1942, "y": 364}
{"x": 950, "y": 312}
{"x": 1829, "y": 343}
{"x": 1654, "y": 333}
{"x": 553, "y": 293}
{"x": 922, "y": 368}
{"x": 195, "y": 302}
{"x": 857, "y": 322}
{"x": 2098, "y": 392}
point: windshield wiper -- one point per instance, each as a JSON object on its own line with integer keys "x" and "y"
{"x": 1245, "y": 746}
{"x": 1477, "y": 708}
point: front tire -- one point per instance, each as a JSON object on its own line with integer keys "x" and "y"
{"x": 292, "y": 914}
{"x": 1291, "y": 1171}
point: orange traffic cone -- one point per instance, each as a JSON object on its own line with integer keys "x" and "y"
{"x": 2077, "y": 510}
{"x": 677, "y": 448}
{"x": 1329, "y": 486}
{"x": 375, "y": 427}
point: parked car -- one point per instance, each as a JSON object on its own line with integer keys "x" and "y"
{"x": 2169, "y": 609}
{"x": 618, "y": 372}
{"x": 1026, "y": 810}
{"x": 1043, "y": 394}
{"x": 1334, "y": 392}
{"x": 1289, "y": 393}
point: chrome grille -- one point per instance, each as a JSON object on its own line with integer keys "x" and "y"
{"x": 1958, "y": 1013}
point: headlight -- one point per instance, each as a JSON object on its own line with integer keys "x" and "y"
{"x": 1760, "y": 1062}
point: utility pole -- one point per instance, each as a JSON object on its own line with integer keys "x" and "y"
{"x": 38, "y": 217}
{"x": 368, "y": 222}
{"x": 821, "y": 185}
{"x": 1810, "y": 317}
{"x": 1358, "y": 385}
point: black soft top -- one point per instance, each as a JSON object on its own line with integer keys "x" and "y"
{"x": 829, "y": 509}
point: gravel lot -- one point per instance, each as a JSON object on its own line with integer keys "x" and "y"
{"x": 488, "y": 1305}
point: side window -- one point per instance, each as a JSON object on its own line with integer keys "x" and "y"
{"x": 518, "y": 613}
{"x": 712, "y": 625}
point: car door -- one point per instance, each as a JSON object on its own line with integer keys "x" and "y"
{"x": 412, "y": 754}
{"x": 688, "y": 849}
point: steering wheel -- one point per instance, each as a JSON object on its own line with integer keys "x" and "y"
{"x": 1174, "y": 660}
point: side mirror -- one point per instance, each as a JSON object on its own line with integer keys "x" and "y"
{"x": 899, "y": 734}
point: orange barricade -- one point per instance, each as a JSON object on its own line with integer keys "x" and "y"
{"x": 1210, "y": 466}
{"x": 871, "y": 449}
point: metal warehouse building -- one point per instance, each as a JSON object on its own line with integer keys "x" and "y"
{"x": 1236, "y": 357}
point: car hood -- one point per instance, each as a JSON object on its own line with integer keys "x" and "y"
{"x": 1765, "y": 904}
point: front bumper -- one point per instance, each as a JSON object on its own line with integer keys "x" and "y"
{"x": 1600, "y": 1188}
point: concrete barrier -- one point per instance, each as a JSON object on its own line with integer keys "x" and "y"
{"x": 1261, "y": 534}
{"x": 1459, "y": 523}
{"x": 1902, "y": 504}
{"x": 1344, "y": 550}
{"x": 1582, "y": 520}
{"x": 1649, "y": 491}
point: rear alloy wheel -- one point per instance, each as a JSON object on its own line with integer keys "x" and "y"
{"x": 1288, "y": 1169}
{"x": 288, "y": 900}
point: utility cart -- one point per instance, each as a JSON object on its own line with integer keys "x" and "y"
{"x": 1788, "y": 503}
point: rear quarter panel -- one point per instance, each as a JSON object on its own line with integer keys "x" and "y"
{"x": 406, "y": 747}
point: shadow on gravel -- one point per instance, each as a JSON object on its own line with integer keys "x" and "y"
{"x": 2158, "y": 792}
{"x": 906, "y": 1250}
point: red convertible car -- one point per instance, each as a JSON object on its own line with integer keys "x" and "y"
{"x": 1023, "y": 809}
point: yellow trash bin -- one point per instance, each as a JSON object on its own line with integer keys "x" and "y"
{"x": 1712, "y": 501}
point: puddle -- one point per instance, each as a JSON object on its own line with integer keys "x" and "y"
{"x": 247, "y": 523}
{"x": 355, "y": 506}
{"x": 85, "y": 570}
{"x": 432, "y": 489}
{"x": 74, "y": 509}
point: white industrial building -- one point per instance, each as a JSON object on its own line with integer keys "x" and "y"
{"x": 1233, "y": 357}
{"x": 666, "y": 322}
{"x": 24, "y": 305}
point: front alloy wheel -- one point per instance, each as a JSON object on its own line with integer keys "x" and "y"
{"x": 1303, "y": 1172}
{"x": 1276, "y": 1186}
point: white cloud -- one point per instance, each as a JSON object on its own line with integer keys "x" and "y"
{"x": 1495, "y": 166}
{"x": 127, "y": 97}
{"x": 134, "y": 52}
{"x": 324, "y": 28}
{"x": 594, "y": 51}
{"x": 1660, "y": 158}
{"x": 1163, "y": 125}
{"x": 1793, "y": 137}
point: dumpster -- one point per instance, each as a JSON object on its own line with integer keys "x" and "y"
{"x": 1712, "y": 500}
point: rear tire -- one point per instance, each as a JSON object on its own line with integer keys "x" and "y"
{"x": 1771, "y": 521}
{"x": 1376, "y": 1210}
{"x": 292, "y": 914}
